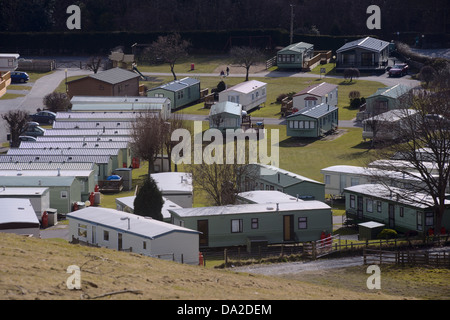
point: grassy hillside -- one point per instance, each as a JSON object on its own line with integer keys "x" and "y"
{"x": 36, "y": 269}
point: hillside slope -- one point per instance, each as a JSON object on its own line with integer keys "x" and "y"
{"x": 37, "y": 269}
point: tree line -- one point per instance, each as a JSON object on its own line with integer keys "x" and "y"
{"x": 343, "y": 17}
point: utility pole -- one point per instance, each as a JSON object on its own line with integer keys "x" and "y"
{"x": 292, "y": 23}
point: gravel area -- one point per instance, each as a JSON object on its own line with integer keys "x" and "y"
{"x": 297, "y": 267}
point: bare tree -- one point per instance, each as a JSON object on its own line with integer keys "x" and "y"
{"x": 221, "y": 182}
{"x": 16, "y": 120}
{"x": 94, "y": 64}
{"x": 246, "y": 57}
{"x": 175, "y": 122}
{"x": 428, "y": 141}
{"x": 147, "y": 136}
{"x": 167, "y": 49}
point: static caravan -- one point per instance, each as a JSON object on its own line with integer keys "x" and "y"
{"x": 225, "y": 115}
{"x": 39, "y": 197}
{"x": 236, "y": 225}
{"x": 403, "y": 165}
{"x": 387, "y": 125}
{"x": 160, "y": 106}
{"x": 101, "y": 164}
{"x": 312, "y": 122}
{"x": 126, "y": 204}
{"x": 294, "y": 55}
{"x": 8, "y": 62}
{"x": 176, "y": 187}
{"x": 100, "y": 132}
{"x": 396, "y": 208}
{"x": 97, "y": 116}
{"x": 93, "y": 125}
{"x": 383, "y": 100}
{"x": 64, "y": 191}
{"x": 266, "y": 177}
{"x": 250, "y": 94}
{"x": 368, "y": 54}
{"x": 86, "y": 178}
{"x": 18, "y": 216}
{"x": 180, "y": 92}
{"x": 339, "y": 177}
{"x": 264, "y": 196}
{"x": 316, "y": 94}
{"x": 123, "y": 231}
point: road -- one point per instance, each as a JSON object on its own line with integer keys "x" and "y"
{"x": 47, "y": 84}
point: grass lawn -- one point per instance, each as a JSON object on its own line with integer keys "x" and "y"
{"x": 277, "y": 86}
{"x": 202, "y": 64}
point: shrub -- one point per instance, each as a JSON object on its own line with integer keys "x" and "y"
{"x": 387, "y": 234}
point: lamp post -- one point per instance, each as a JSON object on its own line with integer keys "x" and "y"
{"x": 66, "y": 80}
{"x": 292, "y": 24}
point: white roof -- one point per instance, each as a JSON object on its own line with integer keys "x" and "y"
{"x": 46, "y": 173}
{"x": 371, "y": 224}
{"x": 392, "y": 115}
{"x": 17, "y": 211}
{"x": 247, "y": 86}
{"x": 9, "y": 55}
{"x": 268, "y": 170}
{"x": 8, "y": 191}
{"x": 414, "y": 199}
{"x": 253, "y": 208}
{"x": 173, "y": 182}
{"x": 267, "y": 196}
{"x": 129, "y": 202}
{"x": 372, "y": 172}
{"x": 145, "y": 227}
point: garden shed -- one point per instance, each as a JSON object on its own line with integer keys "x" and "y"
{"x": 123, "y": 231}
{"x": 250, "y": 94}
{"x": 180, "y": 92}
{"x": 369, "y": 230}
{"x": 18, "y": 216}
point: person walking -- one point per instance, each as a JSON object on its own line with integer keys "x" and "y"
{"x": 228, "y": 71}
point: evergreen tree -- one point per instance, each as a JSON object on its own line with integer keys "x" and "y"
{"x": 149, "y": 200}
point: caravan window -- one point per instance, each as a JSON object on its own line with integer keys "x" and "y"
{"x": 236, "y": 226}
{"x": 82, "y": 230}
{"x": 303, "y": 223}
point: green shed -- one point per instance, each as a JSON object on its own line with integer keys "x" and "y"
{"x": 369, "y": 230}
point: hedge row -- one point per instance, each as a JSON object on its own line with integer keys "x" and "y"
{"x": 89, "y": 43}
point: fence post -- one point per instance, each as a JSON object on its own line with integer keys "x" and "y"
{"x": 313, "y": 249}
{"x": 364, "y": 256}
{"x": 225, "y": 256}
{"x": 239, "y": 254}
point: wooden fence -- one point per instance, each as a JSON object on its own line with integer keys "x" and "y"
{"x": 271, "y": 62}
{"x": 403, "y": 258}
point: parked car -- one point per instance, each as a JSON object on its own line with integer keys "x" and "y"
{"x": 399, "y": 70}
{"x": 44, "y": 117}
{"x": 18, "y": 76}
{"x": 32, "y": 129}
{"x": 27, "y": 138}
